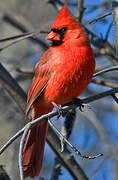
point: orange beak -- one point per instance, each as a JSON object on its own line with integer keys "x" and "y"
{"x": 53, "y": 36}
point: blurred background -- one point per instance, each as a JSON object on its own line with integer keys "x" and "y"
{"x": 96, "y": 129}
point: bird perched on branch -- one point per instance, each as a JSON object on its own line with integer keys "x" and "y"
{"x": 62, "y": 73}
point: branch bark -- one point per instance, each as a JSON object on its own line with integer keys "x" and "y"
{"x": 115, "y": 21}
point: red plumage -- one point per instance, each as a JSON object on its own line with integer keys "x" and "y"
{"x": 62, "y": 73}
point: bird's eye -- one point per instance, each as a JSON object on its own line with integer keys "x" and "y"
{"x": 63, "y": 30}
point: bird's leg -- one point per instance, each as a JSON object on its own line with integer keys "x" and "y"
{"x": 79, "y": 102}
{"x": 59, "y": 109}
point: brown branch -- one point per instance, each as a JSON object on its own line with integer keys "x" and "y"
{"x": 104, "y": 83}
{"x": 108, "y": 31}
{"x": 22, "y": 35}
{"x": 8, "y": 18}
{"x": 80, "y": 10}
{"x": 104, "y": 46}
{"x": 115, "y": 21}
{"x": 113, "y": 68}
{"x": 28, "y": 35}
{"x": 56, "y": 4}
{"x": 100, "y": 17}
{"x": 105, "y": 70}
{"x": 66, "y": 131}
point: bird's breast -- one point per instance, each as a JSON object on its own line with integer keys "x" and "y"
{"x": 70, "y": 75}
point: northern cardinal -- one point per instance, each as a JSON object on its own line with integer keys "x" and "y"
{"x": 62, "y": 73}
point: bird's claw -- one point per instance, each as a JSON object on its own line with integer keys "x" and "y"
{"x": 78, "y": 102}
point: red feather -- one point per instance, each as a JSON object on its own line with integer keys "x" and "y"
{"x": 62, "y": 73}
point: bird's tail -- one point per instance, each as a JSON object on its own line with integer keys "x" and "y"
{"x": 34, "y": 149}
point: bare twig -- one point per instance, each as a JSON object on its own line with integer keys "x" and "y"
{"x": 99, "y": 165}
{"x": 100, "y": 43}
{"x": 8, "y": 18}
{"x": 12, "y": 87}
{"x": 96, "y": 40}
{"x": 101, "y": 82}
{"x": 115, "y": 21}
{"x": 28, "y": 35}
{"x": 72, "y": 147}
{"x": 19, "y": 96}
{"x": 66, "y": 131}
{"x": 106, "y": 70}
{"x": 115, "y": 98}
{"x": 108, "y": 31}
{"x": 22, "y": 142}
{"x": 25, "y": 71}
{"x": 104, "y": 83}
{"x": 56, "y": 4}
{"x": 8, "y": 82}
{"x": 22, "y": 35}
{"x": 67, "y": 128}
{"x": 100, "y": 17}
{"x": 80, "y": 10}
{"x": 23, "y": 139}
{"x": 64, "y": 109}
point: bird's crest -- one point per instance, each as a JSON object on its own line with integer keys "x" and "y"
{"x": 64, "y": 19}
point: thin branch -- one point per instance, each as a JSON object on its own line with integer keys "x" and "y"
{"x": 115, "y": 21}
{"x": 106, "y": 70}
{"x": 55, "y": 113}
{"x": 56, "y": 4}
{"x": 109, "y": 84}
{"x": 22, "y": 35}
{"x": 100, "y": 17}
{"x": 25, "y": 71}
{"x": 23, "y": 139}
{"x": 11, "y": 140}
{"x": 66, "y": 158}
{"x": 22, "y": 142}
{"x": 80, "y": 10}
{"x": 100, "y": 43}
{"x": 28, "y": 35}
{"x": 108, "y": 31}
{"x": 115, "y": 98}
{"x": 104, "y": 83}
{"x": 8, "y": 18}
{"x": 8, "y": 82}
{"x": 72, "y": 147}
{"x": 12, "y": 87}
{"x": 99, "y": 166}
{"x": 96, "y": 40}
{"x": 19, "y": 96}
{"x": 66, "y": 131}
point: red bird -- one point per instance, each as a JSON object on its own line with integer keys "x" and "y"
{"x": 62, "y": 73}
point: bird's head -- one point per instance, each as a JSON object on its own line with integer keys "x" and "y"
{"x": 66, "y": 29}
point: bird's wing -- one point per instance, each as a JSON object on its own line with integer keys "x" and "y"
{"x": 40, "y": 80}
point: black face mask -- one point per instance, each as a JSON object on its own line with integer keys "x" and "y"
{"x": 61, "y": 32}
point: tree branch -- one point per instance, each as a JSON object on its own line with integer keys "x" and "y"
{"x": 19, "y": 96}
{"x": 80, "y": 10}
{"x": 104, "y": 83}
{"x": 8, "y": 18}
{"x": 115, "y": 21}
{"x": 100, "y": 17}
